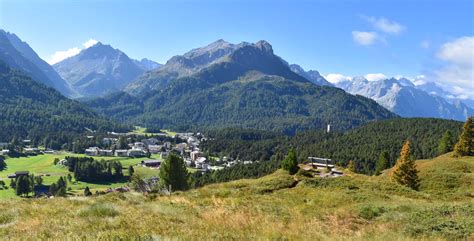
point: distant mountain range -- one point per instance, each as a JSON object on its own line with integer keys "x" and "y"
{"x": 101, "y": 69}
{"x": 407, "y": 100}
{"x": 225, "y": 84}
{"x": 243, "y": 85}
{"x": 21, "y": 56}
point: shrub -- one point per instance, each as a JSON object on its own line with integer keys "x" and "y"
{"x": 370, "y": 212}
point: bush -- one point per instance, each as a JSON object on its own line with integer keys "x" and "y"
{"x": 370, "y": 212}
{"x": 450, "y": 222}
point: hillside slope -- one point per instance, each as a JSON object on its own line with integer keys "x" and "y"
{"x": 353, "y": 207}
{"x": 19, "y": 55}
{"x": 30, "y": 109}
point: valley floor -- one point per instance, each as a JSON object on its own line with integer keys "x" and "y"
{"x": 278, "y": 206}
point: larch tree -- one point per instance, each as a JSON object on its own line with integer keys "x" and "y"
{"x": 405, "y": 172}
{"x": 351, "y": 166}
{"x": 465, "y": 145}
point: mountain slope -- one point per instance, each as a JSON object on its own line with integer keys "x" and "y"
{"x": 311, "y": 75}
{"x": 405, "y": 99}
{"x": 100, "y": 69}
{"x": 253, "y": 88}
{"x": 182, "y": 65}
{"x": 19, "y": 55}
{"x": 30, "y": 109}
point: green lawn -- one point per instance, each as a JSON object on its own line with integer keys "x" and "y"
{"x": 44, "y": 164}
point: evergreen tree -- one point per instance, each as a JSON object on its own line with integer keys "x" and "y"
{"x": 13, "y": 183}
{"x": 290, "y": 163}
{"x": 69, "y": 177}
{"x": 465, "y": 145}
{"x": 53, "y": 188}
{"x": 130, "y": 171}
{"x": 23, "y": 186}
{"x": 38, "y": 180}
{"x": 3, "y": 164}
{"x": 446, "y": 143}
{"x": 351, "y": 166}
{"x": 87, "y": 192}
{"x": 173, "y": 172}
{"x": 383, "y": 162}
{"x": 405, "y": 172}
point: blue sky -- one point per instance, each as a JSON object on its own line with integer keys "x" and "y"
{"x": 347, "y": 38}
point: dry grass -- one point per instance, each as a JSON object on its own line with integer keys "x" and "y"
{"x": 350, "y": 208}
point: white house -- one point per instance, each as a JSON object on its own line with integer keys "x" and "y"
{"x": 122, "y": 152}
{"x": 92, "y": 151}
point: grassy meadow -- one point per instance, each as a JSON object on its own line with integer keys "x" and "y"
{"x": 44, "y": 164}
{"x": 277, "y": 206}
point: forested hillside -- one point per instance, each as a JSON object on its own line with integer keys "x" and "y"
{"x": 249, "y": 88}
{"x": 30, "y": 109}
{"x": 363, "y": 145}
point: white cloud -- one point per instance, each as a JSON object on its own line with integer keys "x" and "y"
{"x": 459, "y": 51}
{"x": 375, "y": 77}
{"x": 385, "y": 25}
{"x": 364, "y": 38}
{"x": 89, "y": 43}
{"x": 458, "y": 70}
{"x": 425, "y": 44}
{"x": 59, "y": 56}
{"x": 336, "y": 78}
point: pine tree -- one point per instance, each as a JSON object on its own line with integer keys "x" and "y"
{"x": 3, "y": 164}
{"x": 383, "y": 162}
{"x": 130, "y": 171}
{"x": 465, "y": 145}
{"x": 23, "y": 186}
{"x": 290, "y": 163}
{"x": 351, "y": 166}
{"x": 173, "y": 172}
{"x": 405, "y": 172}
{"x": 446, "y": 143}
{"x": 87, "y": 192}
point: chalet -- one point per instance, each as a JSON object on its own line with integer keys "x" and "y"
{"x": 19, "y": 174}
{"x": 167, "y": 145}
{"x": 106, "y": 152}
{"x": 109, "y": 141}
{"x": 139, "y": 145}
{"x": 195, "y": 155}
{"x": 150, "y": 141}
{"x": 92, "y": 151}
{"x": 136, "y": 152}
{"x": 155, "y": 149}
{"x": 31, "y": 150}
{"x": 4, "y": 152}
{"x": 151, "y": 163}
{"x": 121, "y": 153}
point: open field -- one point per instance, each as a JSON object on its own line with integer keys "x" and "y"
{"x": 278, "y": 206}
{"x": 44, "y": 164}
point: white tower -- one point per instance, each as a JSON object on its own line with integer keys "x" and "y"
{"x": 329, "y": 128}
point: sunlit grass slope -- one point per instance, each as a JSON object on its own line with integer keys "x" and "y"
{"x": 278, "y": 206}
